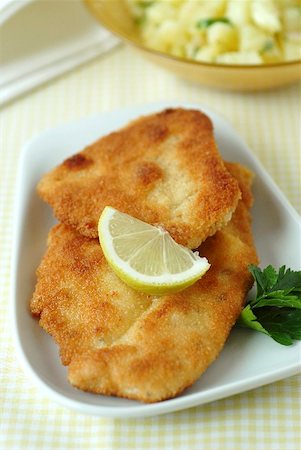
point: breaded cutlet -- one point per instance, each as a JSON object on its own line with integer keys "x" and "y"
{"x": 164, "y": 169}
{"x": 117, "y": 341}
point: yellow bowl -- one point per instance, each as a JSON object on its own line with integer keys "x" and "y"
{"x": 115, "y": 16}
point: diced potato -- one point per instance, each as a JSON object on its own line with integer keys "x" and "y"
{"x": 287, "y": 3}
{"x": 291, "y": 50}
{"x": 195, "y": 32}
{"x": 215, "y": 8}
{"x": 239, "y": 12}
{"x": 188, "y": 10}
{"x": 252, "y": 38}
{"x": 294, "y": 36}
{"x": 169, "y": 32}
{"x": 292, "y": 19}
{"x": 239, "y": 58}
{"x": 259, "y": 30}
{"x": 153, "y": 39}
{"x": 178, "y": 50}
{"x": 197, "y": 41}
{"x": 159, "y": 11}
{"x": 208, "y": 53}
{"x": 201, "y": 9}
{"x": 223, "y": 35}
{"x": 211, "y": 8}
{"x": 271, "y": 52}
{"x": 265, "y": 15}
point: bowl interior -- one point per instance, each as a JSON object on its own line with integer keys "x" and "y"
{"x": 116, "y": 17}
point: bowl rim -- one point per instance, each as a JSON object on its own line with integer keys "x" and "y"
{"x": 192, "y": 62}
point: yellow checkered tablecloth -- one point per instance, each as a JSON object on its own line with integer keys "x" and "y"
{"x": 267, "y": 418}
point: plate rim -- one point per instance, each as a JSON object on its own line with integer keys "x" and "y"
{"x": 177, "y": 403}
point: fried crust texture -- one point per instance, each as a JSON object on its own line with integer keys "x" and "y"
{"x": 117, "y": 341}
{"x": 164, "y": 169}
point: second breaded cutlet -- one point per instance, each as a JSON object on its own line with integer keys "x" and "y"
{"x": 164, "y": 169}
{"x": 117, "y": 341}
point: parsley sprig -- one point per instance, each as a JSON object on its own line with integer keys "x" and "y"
{"x": 276, "y": 308}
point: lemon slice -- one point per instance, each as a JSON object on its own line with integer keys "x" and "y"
{"x": 146, "y": 257}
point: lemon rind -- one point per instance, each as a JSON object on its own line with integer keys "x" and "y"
{"x": 165, "y": 283}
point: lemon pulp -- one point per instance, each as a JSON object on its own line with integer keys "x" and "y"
{"x": 146, "y": 257}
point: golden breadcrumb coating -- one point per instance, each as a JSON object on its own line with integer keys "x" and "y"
{"x": 117, "y": 341}
{"x": 164, "y": 169}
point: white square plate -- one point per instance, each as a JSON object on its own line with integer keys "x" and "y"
{"x": 248, "y": 360}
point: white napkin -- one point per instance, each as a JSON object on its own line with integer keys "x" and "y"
{"x": 42, "y": 39}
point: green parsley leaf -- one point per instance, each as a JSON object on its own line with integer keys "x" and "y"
{"x": 269, "y": 45}
{"x": 205, "y": 23}
{"x": 288, "y": 280}
{"x": 248, "y": 319}
{"x": 280, "y": 299}
{"x": 276, "y": 308}
{"x": 282, "y": 324}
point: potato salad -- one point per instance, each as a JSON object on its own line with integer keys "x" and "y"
{"x": 221, "y": 31}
